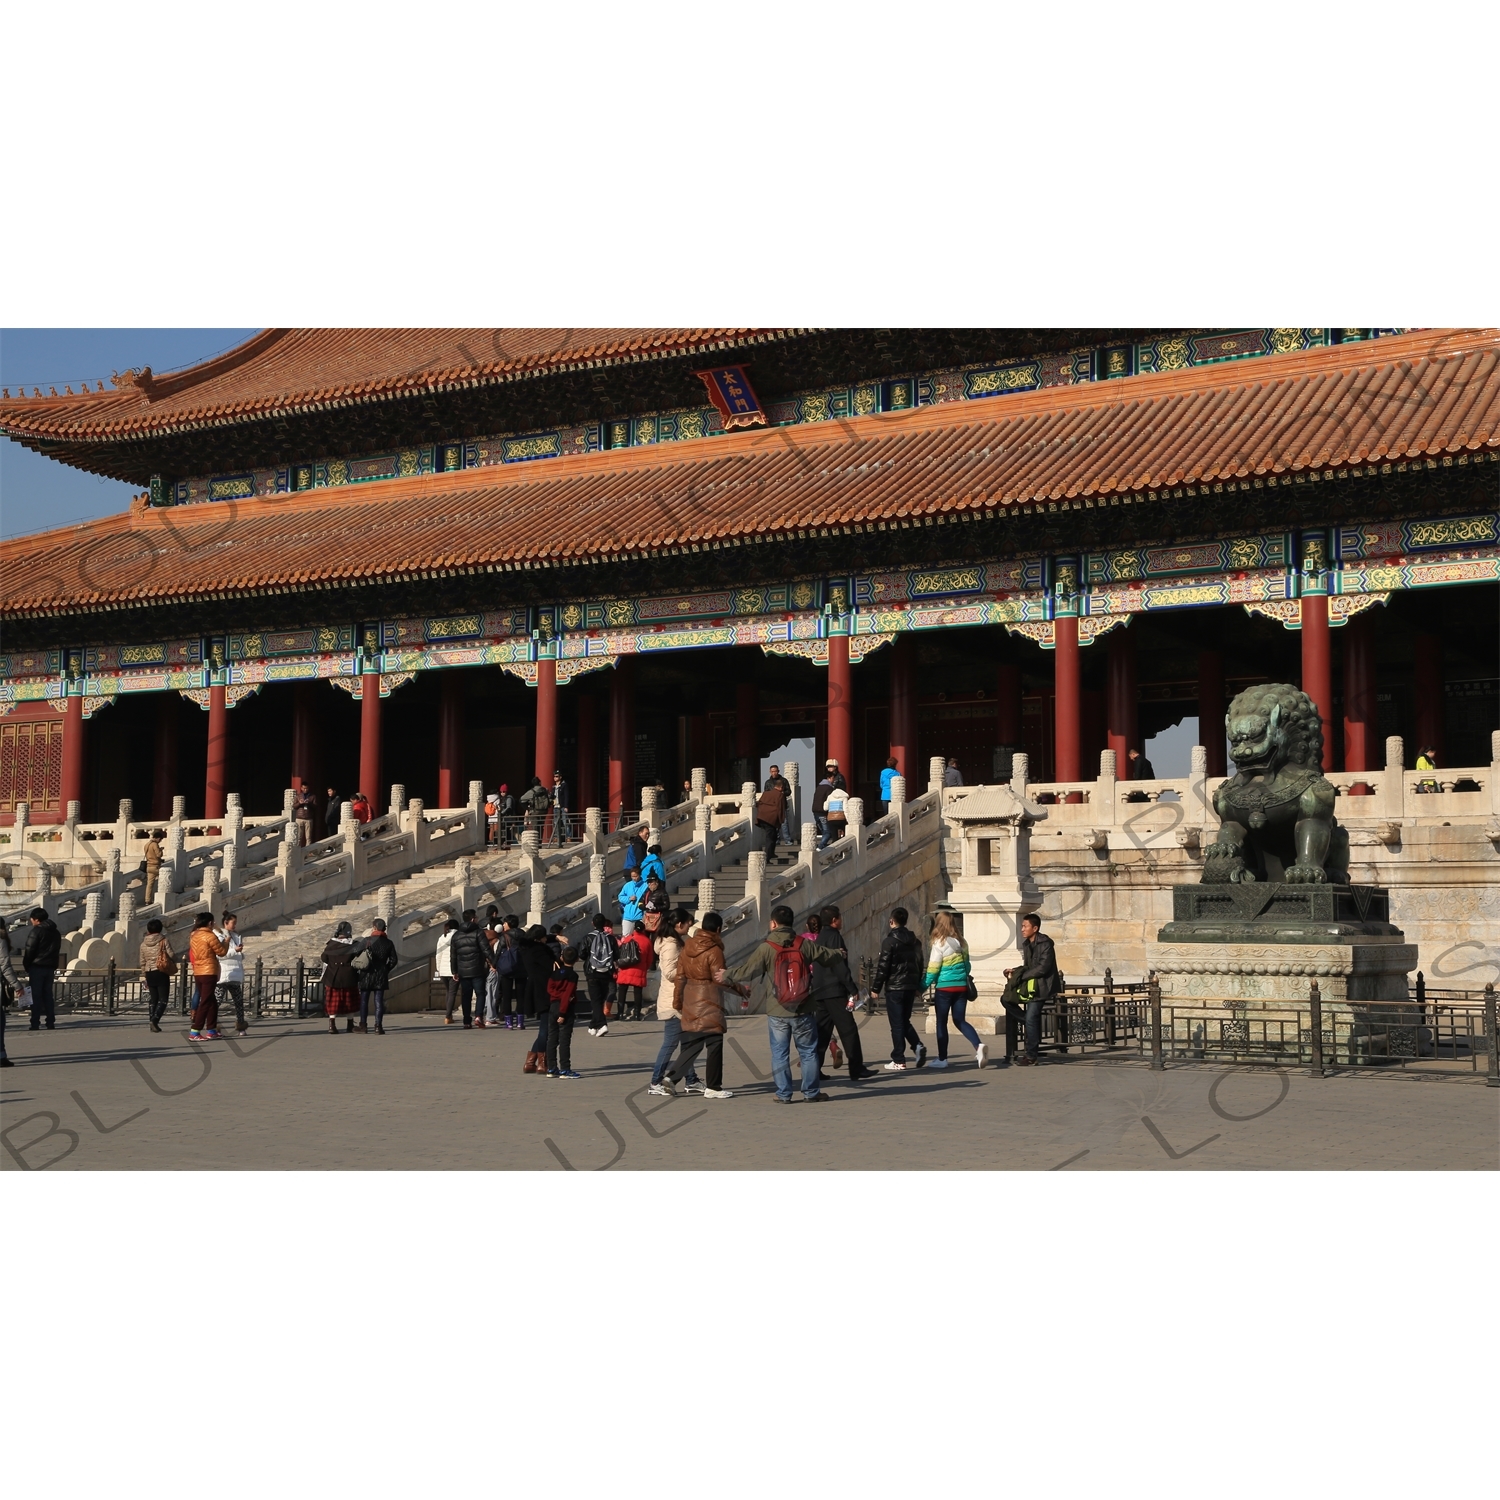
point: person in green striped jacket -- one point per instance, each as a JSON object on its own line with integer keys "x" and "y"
{"x": 948, "y": 978}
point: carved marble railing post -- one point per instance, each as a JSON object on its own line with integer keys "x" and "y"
{"x": 1393, "y": 783}
{"x": 231, "y": 872}
{"x": 385, "y": 904}
{"x": 1105, "y": 801}
{"x": 125, "y": 921}
{"x": 537, "y": 904}
{"x": 935, "y": 768}
{"x": 593, "y": 829}
{"x": 179, "y": 809}
{"x": 44, "y": 885}
{"x": 650, "y": 810}
{"x": 698, "y": 780}
{"x": 793, "y": 773}
{"x": 854, "y": 822}
{"x": 706, "y": 897}
{"x": 288, "y": 804}
{"x": 747, "y": 800}
{"x": 398, "y": 798}
{"x": 210, "y": 895}
{"x": 702, "y": 821}
{"x": 93, "y": 913}
{"x": 172, "y": 878}
{"x": 1198, "y": 811}
{"x": 597, "y": 875}
{"x": 1020, "y": 772}
{"x": 755, "y": 882}
{"x": 463, "y": 875}
{"x": 122, "y": 826}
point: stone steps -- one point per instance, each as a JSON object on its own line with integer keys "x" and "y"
{"x": 306, "y": 933}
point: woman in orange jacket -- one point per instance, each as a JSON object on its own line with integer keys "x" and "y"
{"x": 204, "y": 952}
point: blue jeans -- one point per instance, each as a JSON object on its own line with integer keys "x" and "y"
{"x": 821, "y": 824}
{"x": 958, "y": 1002}
{"x": 671, "y": 1035}
{"x": 804, "y": 1031}
{"x": 365, "y": 997}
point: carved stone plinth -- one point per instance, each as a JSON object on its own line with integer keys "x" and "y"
{"x": 1367, "y": 968}
{"x": 1264, "y": 912}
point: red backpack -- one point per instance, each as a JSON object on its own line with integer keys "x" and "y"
{"x": 793, "y": 975}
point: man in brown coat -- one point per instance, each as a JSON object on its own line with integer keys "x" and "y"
{"x": 770, "y": 810}
{"x": 701, "y": 1006}
{"x": 153, "y": 869}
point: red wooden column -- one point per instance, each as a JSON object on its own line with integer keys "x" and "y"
{"x": 1317, "y": 666}
{"x": 903, "y": 707}
{"x": 621, "y": 735}
{"x": 72, "y": 755}
{"x": 1122, "y": 710}
{"x": 841, "y": 706}
{"x": 545, "y": 755}
{"x": 1361, "y": 724}
{"x": 1211, "y": 709}
{"x": 1066, "y": 752}
{"x": 304, "y": 736}
{"x": 451, "y": 789}
{"x": 369, "y": 741}
{"x": 164, "y": 783}
{"x": 1008, "y": 706}
{"x": 586, "y": 778}
{"x": 214, "y": 788}
{"x": 1429, "y": 697}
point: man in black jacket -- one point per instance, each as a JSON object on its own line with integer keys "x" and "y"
{"x": 374, "y": 978}
{"x": 834, "y": 994}
{"x": 40, "y": 960}
{"x": 333, "y": 813}
{"x": 1029, "y": 987}
{"x": 899, "y": 971}
{"x": 471, "y": 961}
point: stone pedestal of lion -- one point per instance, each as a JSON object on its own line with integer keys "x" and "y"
{"x": 995, "y": 887}
{"x": 1275, "y": 910}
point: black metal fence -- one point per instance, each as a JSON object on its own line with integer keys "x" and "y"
{"x": 113, "y": 991}
{"x": 1442, "y": 1032}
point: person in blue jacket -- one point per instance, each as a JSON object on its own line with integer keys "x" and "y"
{"x": 652, "y": 865}
{"x": 632, "y": 893}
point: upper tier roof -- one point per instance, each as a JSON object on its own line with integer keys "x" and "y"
{"x": 1408, "y": 397}
{"x": 291, "y": 370}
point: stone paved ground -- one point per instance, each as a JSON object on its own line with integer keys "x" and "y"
{"x": 428, "y": 1096}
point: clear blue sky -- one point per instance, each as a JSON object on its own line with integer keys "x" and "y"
{"x": 37, "y": 492}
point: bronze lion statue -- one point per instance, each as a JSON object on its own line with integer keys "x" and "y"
{"x": 1277, "y": 808}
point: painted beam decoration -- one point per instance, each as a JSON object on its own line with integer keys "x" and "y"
{"x": 733, "y": 403}
{"x": 1356, "y": 566}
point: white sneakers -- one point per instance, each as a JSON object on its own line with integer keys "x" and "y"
{"x": 938, "y": 1062}
{"x": 718, "y": 1093}
{"x": 665, "y": 1090}
{"x": 894, "y": 1067}
{"x": 592, "y": 1032}
{"x": 979, "y": 1055}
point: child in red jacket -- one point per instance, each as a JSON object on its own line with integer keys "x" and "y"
{"x": 561, "y": 989}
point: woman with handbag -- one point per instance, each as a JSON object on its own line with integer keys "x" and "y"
{"x": 950, "y": 977}
{"x": 157, "y": 966}
{"x": 340, "y": 981}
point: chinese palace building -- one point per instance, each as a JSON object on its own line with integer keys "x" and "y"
{"x": 425, "y": 556}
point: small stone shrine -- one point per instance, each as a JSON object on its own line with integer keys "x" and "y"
{"x": 995, "y": 885}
